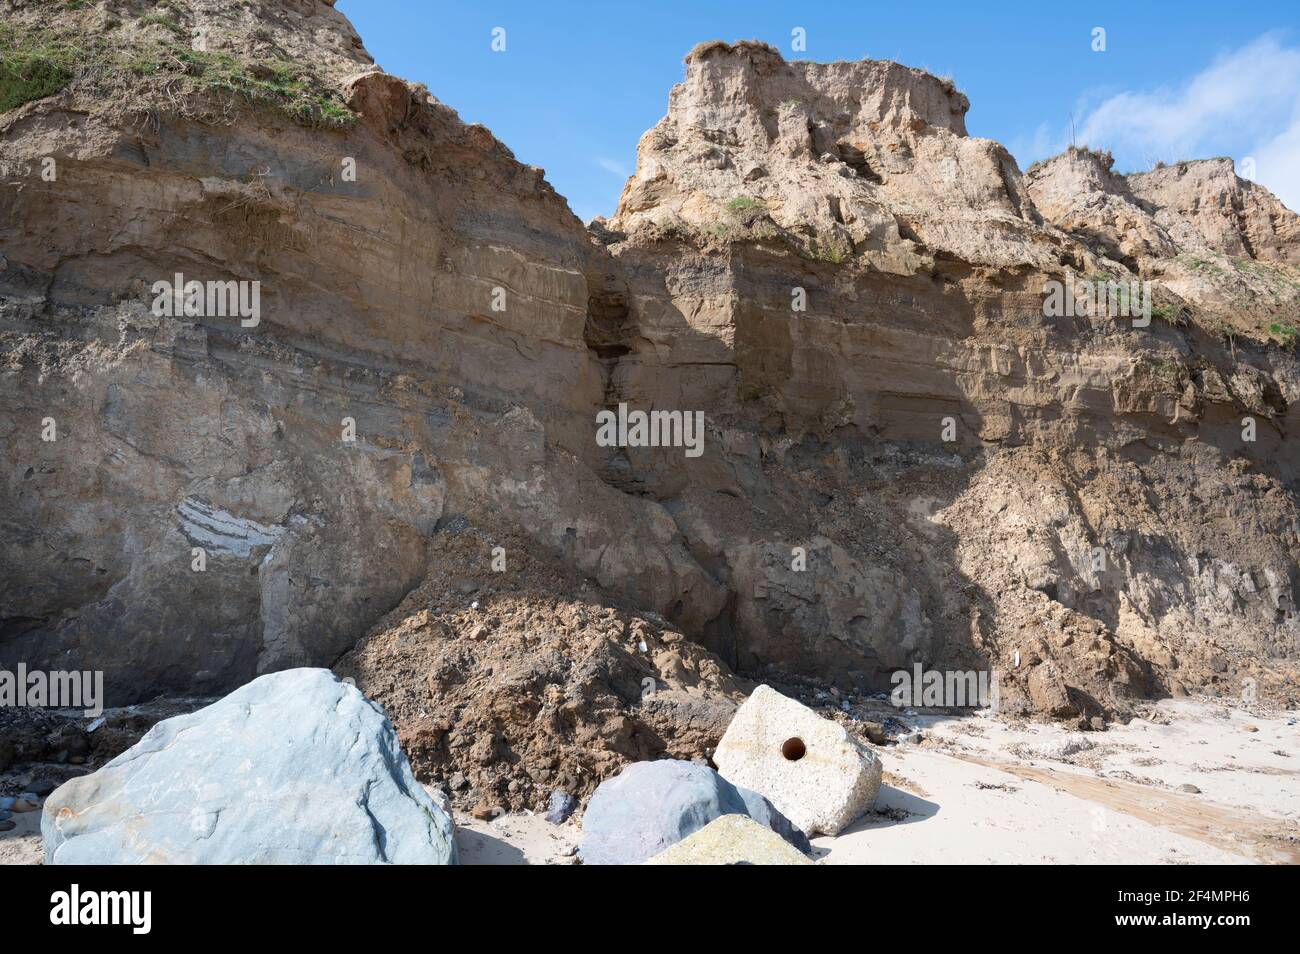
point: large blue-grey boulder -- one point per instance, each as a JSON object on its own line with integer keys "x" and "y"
{"x": 296, "y": 767}
{"x": 651, "y": 805}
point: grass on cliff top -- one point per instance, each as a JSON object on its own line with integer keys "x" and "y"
{"x": 32, "y": 69}
{"x": 164, "y": 72}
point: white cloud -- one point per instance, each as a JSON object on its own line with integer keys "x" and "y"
{"x": 613, "y": 166}
{"x": 1243, "y": 104}
{"x": 1277, "y": 165}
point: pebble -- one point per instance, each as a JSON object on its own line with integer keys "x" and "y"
{"x": 27, "y": 802}
{"x": 41, "y": 787}
{"x": 1249, "y": 728}
{"x": 6, "y": 802}
{"x": 6, "y": 815}
{"x": 7, "y": 825}
{"x": 1188, "y": 787}
{"x": 560, "y": 807}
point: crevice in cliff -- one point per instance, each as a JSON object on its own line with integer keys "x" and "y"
{"x": 607, "y": 334}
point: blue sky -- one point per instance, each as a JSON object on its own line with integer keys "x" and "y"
{"x": 579, "y": 82}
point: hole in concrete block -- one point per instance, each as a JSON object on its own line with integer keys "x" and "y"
{"x": 793, "y": 749}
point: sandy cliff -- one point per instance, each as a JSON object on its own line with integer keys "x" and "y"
{"x": 973, "y": 484}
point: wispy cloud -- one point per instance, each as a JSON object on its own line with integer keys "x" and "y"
{"x": 1277, "y": 165}
{"x": 613, "y": 166}
{"x": 1244, "y": 104}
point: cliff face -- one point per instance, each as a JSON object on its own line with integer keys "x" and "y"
{"x": 377, "y": 305}
{"x": 1220, "y": 245}
{"x": 869, "y": 160}
{"x": 968, "y": 482}
{"x": 1066, "y": 518}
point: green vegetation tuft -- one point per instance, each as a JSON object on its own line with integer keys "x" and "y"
{"x": 1202, "y": 264}
{"x": 30, "y": 75}
{"x": 828, "y": 253}
{"x": 1286, "y": 334}
{"x": 1166, "y": 313}
{"x": 743, "y": 203}
{"x": 165, "y": 73}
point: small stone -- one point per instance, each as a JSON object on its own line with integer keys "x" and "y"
{"x": 485, "y": 811}
{"x": 568, "y": 851}
{"x": 42, "y": 787}
{"x": 1249, "y": 728}
{"x": 8, "y": 825}
{"x": 1189, "y": 788}
{"x": 6, "y": 802}
{"x": 560, "y": 807}
{"x": 27, "y": 802}
{"x": 875, "y": 732}
{"x": 6, "y": 815}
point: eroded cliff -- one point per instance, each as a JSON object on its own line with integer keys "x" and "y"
{"x": 906, "y": 458}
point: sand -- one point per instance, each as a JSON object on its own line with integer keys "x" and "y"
{"x": 522, "y": 838}
{"x": 22, "y": 846}
{"x": 975, "y": 790}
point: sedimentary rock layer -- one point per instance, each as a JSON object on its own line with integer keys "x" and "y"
{"x": 906, "y": 458}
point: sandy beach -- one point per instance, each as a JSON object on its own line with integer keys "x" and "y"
{"x": 977, "y": 791}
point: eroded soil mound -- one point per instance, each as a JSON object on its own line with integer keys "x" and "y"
{"x": 506, "y": 685}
